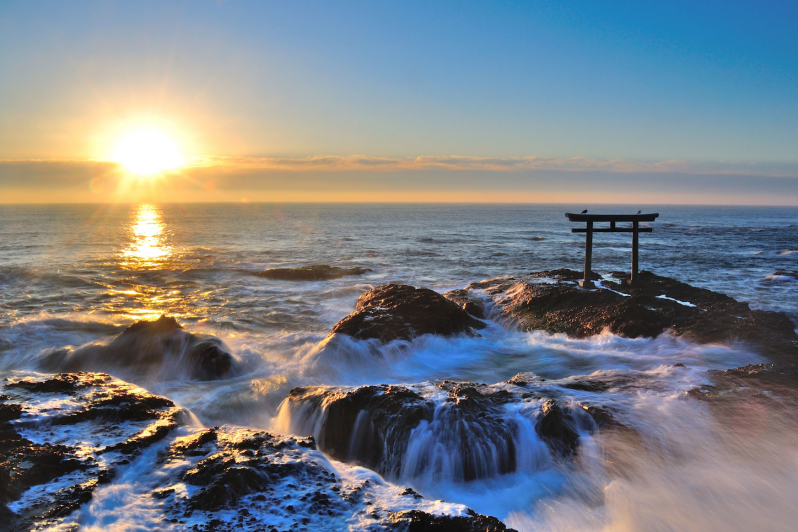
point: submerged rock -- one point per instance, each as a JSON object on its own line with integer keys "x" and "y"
{"x": 150, "y": 348}
{"x": 316, "y": 272}
{"x": 553, "y": 301}
{"x": 62, "y": 436}
{"x": 450, "y": 430}
{"x": 393, "y": 312}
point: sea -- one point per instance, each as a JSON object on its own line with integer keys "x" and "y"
{"x": 76, "y": 274}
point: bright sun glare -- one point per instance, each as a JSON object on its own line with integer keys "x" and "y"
{"x": 147, "y": 152}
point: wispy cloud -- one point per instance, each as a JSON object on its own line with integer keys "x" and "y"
{"x": 456, "y": 163}
{"x": 334, "y": 163}
{"x": 423, "y": 178}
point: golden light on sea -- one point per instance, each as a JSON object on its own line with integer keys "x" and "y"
{"x": 148, "y": 152}
{"x": 148, "y": 243}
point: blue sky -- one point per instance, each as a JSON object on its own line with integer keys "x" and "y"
{"x": 703, "y": 82}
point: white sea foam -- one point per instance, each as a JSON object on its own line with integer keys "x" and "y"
{"x": 685, "y": 303}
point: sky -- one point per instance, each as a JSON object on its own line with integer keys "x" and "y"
{"x": 633, "y": 102}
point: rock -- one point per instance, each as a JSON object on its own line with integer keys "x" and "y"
{"x": 281, "y": 483}
{"x": 466, "y": 300}
{"x": 417, "y": 521}
{"x": 400, "y": 312}
{"x": 471, "y": 432}
{"x": 776, "y": 384}
{"x": 150, "y": 348}
{"x": 317, "y": 272}
{"x": 557, "y": 427}
{"x": 58, "y": 476}
{"x": 552, "y": 301}
{"x": 375, "y": 439}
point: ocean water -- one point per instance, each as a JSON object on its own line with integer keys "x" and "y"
{"x": 71, "y": 275}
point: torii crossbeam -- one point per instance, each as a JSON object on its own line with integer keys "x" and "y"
{"x": 612, "y": 219}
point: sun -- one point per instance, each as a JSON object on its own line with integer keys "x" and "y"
{"x": 147, "y": 152}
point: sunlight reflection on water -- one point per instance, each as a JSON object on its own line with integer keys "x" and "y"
{"x": 148, "y": 249}
{"x": 148, "y": 245}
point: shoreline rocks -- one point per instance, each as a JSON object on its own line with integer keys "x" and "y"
{"x": 48, "y": 469}
{"x": 552, "y": 301}
{"x": 243, "y": 479}
{"x": 400, "y": 312}
{"x": 65, "y": 438}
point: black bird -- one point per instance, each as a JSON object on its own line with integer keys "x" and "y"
{"x": 639, "y": 211}
{"x": 584, "y": 211}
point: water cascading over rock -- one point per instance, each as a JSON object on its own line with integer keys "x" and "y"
{"x": 446, "y": 430}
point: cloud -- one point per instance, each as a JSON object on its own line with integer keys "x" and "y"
{"x": 332, "y": 163}
{"x": 423, "y": 178}
{"x": 457, "y": 163}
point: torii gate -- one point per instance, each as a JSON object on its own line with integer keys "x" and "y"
{"x": 612, "y": 219}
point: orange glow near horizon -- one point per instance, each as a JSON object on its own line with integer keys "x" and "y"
{"x": 148, "y": 152}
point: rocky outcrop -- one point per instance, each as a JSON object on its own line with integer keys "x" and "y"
{"x": 455, "y": 430}
{"x": 400, "y": 312}
{"x": 316, "y": 272}
{"x": 150, "y": 349}
{"x": 66, "y": 439}
{"x": 48, "y": 469}
{"x": 243, "y": 479}
{"x": 552, "y": 301}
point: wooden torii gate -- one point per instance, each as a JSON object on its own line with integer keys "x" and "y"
{"x": 612, "y": 219}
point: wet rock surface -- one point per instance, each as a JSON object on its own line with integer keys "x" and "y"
{"x": 233, "y": 479}
{"x": 416, "y": 521}
{"x": 466, "y": 300}
{"x": 64, "y": 435}
{"x": 149, "y": 348}
{"x": 67, "y": 439}
{"x": 458, "y": 430}
{"x": 552, "y": 301}
{"x": 316, "y": 272}
{"x": 400, "y": 312}
{"x": 369, "y": 425}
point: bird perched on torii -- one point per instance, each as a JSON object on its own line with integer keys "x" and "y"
{"x": 584, "y": 211}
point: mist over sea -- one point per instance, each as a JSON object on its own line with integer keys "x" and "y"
{"x": 75, "y": 274}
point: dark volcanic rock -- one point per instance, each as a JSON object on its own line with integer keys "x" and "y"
{"x": 392, "y": 311}
{"x": 59, "y": 475}
{"x": 317, "y": 272}
{"x": 471, "y": 432}
{"x": 230, "y": 465}
{"x": 149, "y": 348}
{"x": 244, "y": 480}
{"x": 416, "y": 521}
{"x": 553, "y": 302}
